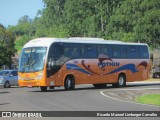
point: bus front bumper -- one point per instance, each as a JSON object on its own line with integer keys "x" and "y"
{"x": 35, "y": 83}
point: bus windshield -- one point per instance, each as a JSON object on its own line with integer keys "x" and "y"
{"x": 32, "y": 59}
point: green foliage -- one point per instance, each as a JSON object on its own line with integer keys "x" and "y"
{"x": 137, "y": 21}
{"x": 58, "y": 31}
{"x": 6, "y": 46}
{"x": 148, "y": 28}
{"x": 20, "y": 42}
{"x": 126, "y": 20}
{"x": 23, "y": 40}
{"x": 25, "y": 27}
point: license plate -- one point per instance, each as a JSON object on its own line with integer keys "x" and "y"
{"x": 29, "y": 86}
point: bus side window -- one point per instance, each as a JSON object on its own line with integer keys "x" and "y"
{"x": 54, "y": 59}
{"x": 75, "y": 52}
{"x": 71, "y": 51}
{"x": 119, "y": 51}
{"x": 67, "y": 52}
{"x": 55, "y": 54}
{"x": 89, "y": 51}
{"x": 116, "y": 52}
{"x": 104, "y": 50}
{"x": 144, "y": 52}
{"x": 133, "y": 52}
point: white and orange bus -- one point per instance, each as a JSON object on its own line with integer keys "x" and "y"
{"x": 54, "y": 62}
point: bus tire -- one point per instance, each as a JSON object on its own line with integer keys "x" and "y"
{"x": 7, "y": 84}
{"x": 103, "y": 85}
{"x": 43, "y": 88}
{"x": 121, "y": 80}
{"x": 69, "y": 83}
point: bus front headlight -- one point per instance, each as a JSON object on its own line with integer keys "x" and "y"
{"x": 38, "y": 77}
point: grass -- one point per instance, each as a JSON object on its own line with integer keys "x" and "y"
{"x": 18, "y": 48}
{"x": 152, "y": 99}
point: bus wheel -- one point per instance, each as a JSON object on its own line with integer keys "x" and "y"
{"x": 69, "y": 83}
{"x": 7, "y": 85}
{"x": 121, "y": 81}
{"x": 43, "y": 88}
{"x": 100, "y": 85}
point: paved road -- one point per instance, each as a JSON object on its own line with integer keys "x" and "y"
{"x": 84, "y": 98}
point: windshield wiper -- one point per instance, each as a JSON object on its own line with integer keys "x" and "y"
{"x": 31, "y": 65}
{"x": 26, "y": 64}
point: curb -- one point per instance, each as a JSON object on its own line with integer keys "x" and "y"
{"x": 145, "y": 82}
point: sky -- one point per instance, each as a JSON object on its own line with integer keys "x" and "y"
{"x": 12, "y": 10}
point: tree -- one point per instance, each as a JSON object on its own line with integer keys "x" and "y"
{"x": 136, "y": 21}
{"x": 24, "y": 19}
{"x": 147, "y": 28}
{"x": 25, "y": 26}
{"x": 126, "y": 20}
{"x": 6, "y": 46}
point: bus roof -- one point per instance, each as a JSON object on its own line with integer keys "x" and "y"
{"x": 46, "y": 42}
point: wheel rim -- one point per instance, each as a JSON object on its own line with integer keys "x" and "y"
{"x": 69, "y": 83}
{"x": 121, "y": 81}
